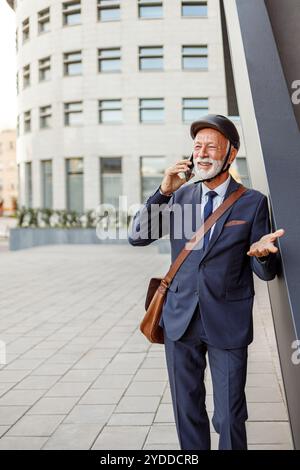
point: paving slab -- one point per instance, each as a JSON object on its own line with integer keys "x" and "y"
{"x": 79, "y": 373}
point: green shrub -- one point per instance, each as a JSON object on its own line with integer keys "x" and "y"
{"x": 50, "y": 218}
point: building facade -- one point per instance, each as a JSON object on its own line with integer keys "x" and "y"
{"x": 8, "y": 172}
{"x": 107, "y": 90}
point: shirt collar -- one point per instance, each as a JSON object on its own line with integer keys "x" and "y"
{"x": 220, "y": 190}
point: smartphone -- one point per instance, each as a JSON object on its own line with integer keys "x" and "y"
{"x": 189, "y": 171}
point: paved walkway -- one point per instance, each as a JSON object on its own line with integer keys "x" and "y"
{"x": 80, "y": 375}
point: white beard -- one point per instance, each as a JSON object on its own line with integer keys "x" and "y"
{"x": 201, "y": 174}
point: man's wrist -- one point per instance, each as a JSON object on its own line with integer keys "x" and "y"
{"x": 163, "y": 193}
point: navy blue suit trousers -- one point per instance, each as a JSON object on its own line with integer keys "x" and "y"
{"x": 186, "y": 363}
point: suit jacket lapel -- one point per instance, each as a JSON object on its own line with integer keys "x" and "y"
{"x": 196, "y": 201}
{"x": 233, "y": 185}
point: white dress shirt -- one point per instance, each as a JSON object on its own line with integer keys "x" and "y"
{"x": 217, "y": 200}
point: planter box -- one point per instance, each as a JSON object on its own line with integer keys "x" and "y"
{"x": 164, "y": 246}
{"x": 21, "y": 238}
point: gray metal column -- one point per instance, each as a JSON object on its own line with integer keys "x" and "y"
{"x": 264, "y": 39}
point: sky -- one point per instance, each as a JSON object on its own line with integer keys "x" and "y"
{"x": 8, "y": 101}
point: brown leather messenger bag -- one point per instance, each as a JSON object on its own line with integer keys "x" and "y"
{"x": 158, "y": 286}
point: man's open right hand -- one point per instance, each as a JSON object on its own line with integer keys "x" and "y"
{"x": 172, "y": 181}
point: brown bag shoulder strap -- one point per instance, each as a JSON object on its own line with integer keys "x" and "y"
{"x": 210, "y": 221}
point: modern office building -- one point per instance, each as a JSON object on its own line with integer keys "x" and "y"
{"x": 107, "y": 90}
{"x": 8, "y": 172}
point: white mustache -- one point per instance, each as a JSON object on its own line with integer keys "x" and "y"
{"x": 205, "y": 160}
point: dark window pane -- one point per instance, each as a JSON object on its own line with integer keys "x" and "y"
{"x": 75, "y": 18}
{"x": 74, "y": 119}
{"x": 110, "y": 52}
{"x": 150, "y": 11}
{"x": 152, "y": 171}
{"x": 154, "y": 115}
{"x": 152, "y": 103}
{"x": 74, "y": 69}
{"x": 195, "y": 102}
{"x": 195, "y": 62}
{"x": 190, "y": 9}
{"x": 47, "y": 184}
{"x": 111, "y": 165}
{"x": 110, "y": 65}
{"x": 111, "y": 180}
{"x": 110, "y": 116}
{"x": 194, "y": 114}
{"x": 151, "y": 63}
{"x": 75, "y": 184}
{"x": 151, "y": 51}
{"x": 110, "y": 15}
{"x": 28, "y": 184}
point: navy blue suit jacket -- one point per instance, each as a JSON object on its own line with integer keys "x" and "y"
{"x": 220, "y": 278}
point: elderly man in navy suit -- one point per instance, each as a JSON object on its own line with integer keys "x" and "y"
{"x": 208, "y": 307}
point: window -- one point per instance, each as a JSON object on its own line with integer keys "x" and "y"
{"x": 73, "y": 114}
{"x": 71, "y": 13}
{"x": 74, "y": 169}
{"x": 47, "y": 202}
{"x": 109, "y": 60}
{"x": 44, "y": 20}
{"x": 26, "y": 30}
{"x": 152, "y": 172}
{"x": 194, "y": 57}
{"x": 44, "y": 69}
{"x": 28, "y": 184}
{"x": 243, "y": 173}
{"x": 151, "y": 58}
{"x": 194, "y": 108}
{"x": 17, "y": 83}
{"x": 27, "y": 121}
{"x": 110, "y": 111}
{"x": 18, "y": 170}
{"x": 150, "y": 9}
{"x": 18, "y": 126}
{"x": 152, "y": 110}
{"x": 26, "y": 76}
{"x": 72, "y": 63}
{"x": 109, "y": 10}
{"x": 111, "y": 180}
{"x": 194, "y": 8}
{"x": 45, "y": 117}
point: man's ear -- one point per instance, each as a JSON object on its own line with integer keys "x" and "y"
{"x": 233, "y": 154}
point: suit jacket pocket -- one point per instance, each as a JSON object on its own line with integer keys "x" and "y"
{"x": 232, "y": 223}
{"x": 239, "y": 293}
